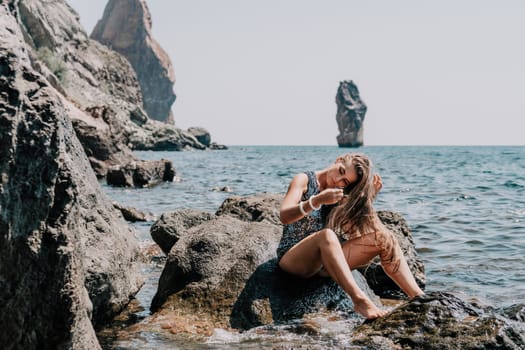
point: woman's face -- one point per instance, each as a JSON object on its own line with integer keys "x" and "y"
{"x": 342, "y": 174}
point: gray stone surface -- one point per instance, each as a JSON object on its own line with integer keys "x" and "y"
{"x": 167, "y": 230}
{"x": 441, "y": 321}
{"x": 67, "y": 258}
{"x": 260, "y": 207}
{"x": 201, "y": 134}
{"x": 141, "y": 173}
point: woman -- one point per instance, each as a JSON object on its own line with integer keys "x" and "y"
{"x": 326, "y": 231}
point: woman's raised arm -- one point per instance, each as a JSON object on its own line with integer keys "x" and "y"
{"x": 290, "y": 211}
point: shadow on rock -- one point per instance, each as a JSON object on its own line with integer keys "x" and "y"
{"x": 273, "y": 296}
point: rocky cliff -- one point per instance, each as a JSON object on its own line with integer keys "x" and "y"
{"x": 68, "y": 261}
{"x": 350, "y": 116}
{"x": 126, "y": 28}
{"x": 98, "y": 86}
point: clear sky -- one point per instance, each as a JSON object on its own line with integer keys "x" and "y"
{"x": 447, "y": 72}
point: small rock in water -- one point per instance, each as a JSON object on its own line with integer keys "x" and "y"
{"x": 222, "y": 189}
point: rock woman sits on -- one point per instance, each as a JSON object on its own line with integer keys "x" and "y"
{"x": 329, "y": 232}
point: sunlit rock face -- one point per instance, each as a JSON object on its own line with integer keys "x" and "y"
{"x": 350, "y": 116}
{"x": 126, "y": 28}
{"x": 98, "y": 87}
{"x": 68, "y": 261}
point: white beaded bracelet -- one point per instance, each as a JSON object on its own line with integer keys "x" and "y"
{"x": 302, "y": 209}
{"x": 312, "y": 204}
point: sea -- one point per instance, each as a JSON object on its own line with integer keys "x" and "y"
{"x": 465, "y": 206}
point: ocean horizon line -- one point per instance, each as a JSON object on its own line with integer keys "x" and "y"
{"x": 385, "y": 145}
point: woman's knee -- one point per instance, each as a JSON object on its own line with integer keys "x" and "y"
{"x": 327, "y": 237}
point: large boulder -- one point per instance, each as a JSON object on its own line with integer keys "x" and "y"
{"x": 141, "y": 173}
{"x": 226, "y": 269}
{"x": 350, "y": 115}
{"x": 126, "y": 28}
{"x": 157, "y": 136}
{"x": 441, "y": 321}
{"x": 260, "y": 208}
{"x": 68, "y": 261}
{"x": 201, "y": 134}
{"x": 211, "y": 258}
{"x": 225, "y": 266}
{"x": 167, "y": 230}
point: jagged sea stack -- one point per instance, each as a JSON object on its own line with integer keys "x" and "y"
{"x": 351, "y": 112}
{"x": 126, "y": 28}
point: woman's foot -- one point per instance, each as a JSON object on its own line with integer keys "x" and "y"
{"x": 368, "y": 309}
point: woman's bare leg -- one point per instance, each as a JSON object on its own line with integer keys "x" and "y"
{"x": 323, "y": 249}
{"x": 403, "y": 277}
{"x": 360, "y": 251}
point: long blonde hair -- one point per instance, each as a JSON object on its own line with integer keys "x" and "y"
{"x": 355, "y": 212}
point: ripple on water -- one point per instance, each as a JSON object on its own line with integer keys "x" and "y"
{"x": 319, "y": 331}
{"x": 474, "y": 242}
{"x": 512, "y": 184}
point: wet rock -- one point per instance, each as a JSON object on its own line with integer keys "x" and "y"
{"x": 271, "y": 295}
{"x": 374, "y": 273}
{"x": 261, "y": 207}
{"x": 201, "y": 134}
{"x": 215, "y": 257}
{"x": 157, "y": 136}
{"x": 515, "y": 312}
{"x": 222, "y": 189}
{"x": 167, "y": 230}
{"x": 126, "y": 28}
{"x": 440, "y": 321}
{"x": 141, "y": 174}
{"x": 131, "y": 214}
{"x": 67, "y": 259}
{"x": 350, "y": 115}
{"x": 215, "y": 146}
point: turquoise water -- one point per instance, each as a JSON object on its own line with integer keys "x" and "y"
{"x": 464, "y": 205}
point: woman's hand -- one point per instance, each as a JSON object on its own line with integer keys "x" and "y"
{"x": 328, "y": 196}
{"x": 377, "y": 182}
